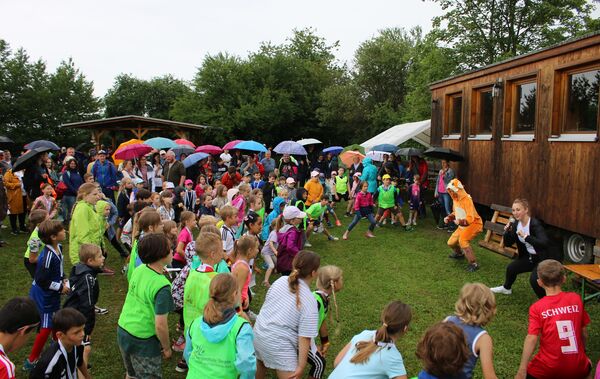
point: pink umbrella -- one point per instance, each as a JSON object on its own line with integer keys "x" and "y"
{"x": 209, "y": 149}
{"x": 231, "y": 145}
{"x": 182, "y": 141}
{"x": 132, "y": 151}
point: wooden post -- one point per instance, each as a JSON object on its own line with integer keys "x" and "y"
{"x": 597, "y": 252}
{"x": 96, "y": 136}
{"x": 181, "y": 134}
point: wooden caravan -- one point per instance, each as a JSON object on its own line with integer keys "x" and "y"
{"x": 528, "y": 127}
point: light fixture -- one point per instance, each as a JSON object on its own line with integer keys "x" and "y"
{"x": 497, "y": 87}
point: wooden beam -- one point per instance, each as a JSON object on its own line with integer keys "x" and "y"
{"x": 181, "y": 134}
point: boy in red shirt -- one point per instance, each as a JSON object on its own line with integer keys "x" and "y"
{"x": 18, "y": 318}
{"x": 559, "y": 321}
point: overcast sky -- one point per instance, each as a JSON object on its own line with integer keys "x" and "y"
{"x": 150, "y": 38}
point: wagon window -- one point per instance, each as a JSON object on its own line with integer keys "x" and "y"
{"x": 524, "y": 107}
{"x": 454, "y": 114}
{"x": 582, "y": 101}
{"x": 485, "y": 111}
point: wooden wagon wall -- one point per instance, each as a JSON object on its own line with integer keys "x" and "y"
{"x": 560, "y": 179}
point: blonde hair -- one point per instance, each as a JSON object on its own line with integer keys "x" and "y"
{"x": 244, "y": 245}
{"x": 227, "y": 211}
{"x": 330, "y": 278}
{"x": 551, "y": 272}
{"x": 152, "y": 218}
{"x": 222, "y": 290}
{"x": 244, "y": 188}
{"x": 88, "y": 251}
{"x": 277, "y": 224}
{"x": 476, "y": 304}
{"x": 304, "y": 263}
{"x": 124, "y": 182}
{"x": 394, "y": 319}
{"x": 221, "y": 191}
{"x": 210, "y": 229}
{"x": 283, "y": 193}
{"x": 84, "y": 190}
{"x": 207, "y": 220}
{"x": 207, "y": 243}
{"x": 186, "y": 216}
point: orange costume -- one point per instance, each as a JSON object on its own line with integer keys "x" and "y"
{"x": 314, "y": 188}
{"x": 468, "y": 221}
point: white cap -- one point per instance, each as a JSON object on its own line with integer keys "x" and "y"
{"x": 139, "y": 180}
{"x": 314, "y": 173}
{"x": 290, "y": 180}
{"x": 292, "y": 212}
{"x": 169, "y": 185}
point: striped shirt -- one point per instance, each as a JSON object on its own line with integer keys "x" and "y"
{"x": 280, "y": 323}
{"x": 54, "y": 365}
{"x": 7, "y": 368}
{"x": 228, "y": 237}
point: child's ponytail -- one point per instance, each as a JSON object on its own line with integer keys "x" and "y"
{"x": 222, "y": 289}
{"x": 242, "y": 247}
{"x": 329, "y": 278}
{"x": 394, "y": 319}
{"x": 304, "y": 264}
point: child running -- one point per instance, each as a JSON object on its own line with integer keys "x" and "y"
{"x": 34, "y": 244}
{"x": 148, "y": 221}
{"x": 220, "y": 343}
{"x": 290, "y": 239}
{"x": 373, "y": 353}
{"x": 246, "y": 249}
{"x": 414, "y": 191}
{"x": 475, "y": 308}
{"x": 559, "y": 322}
{"x": 269, "y": 250}
{"x": 363, "y": 207}
{"x": 188, "y": 221}
{"x": 229, "y": 215}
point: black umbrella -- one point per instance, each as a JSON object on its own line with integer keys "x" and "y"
{"x": 409, "y": 152}
{"x": 42, "y": 143}
{"x": 444, "y": 153}
{"x": 29, "y": 158}
{"x": 5, "y": 142}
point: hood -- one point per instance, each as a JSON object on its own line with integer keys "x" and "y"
{"x": 82, "y": 268}
{"x": 218, "y": 332}
{"x": 100, "y": 207}
{"x": 178, "y": 190}
{"x": 285, "y": 228}
{"x": 367, "y": 161}
{"x": 300, "y": 194}
{"x": 456, "y": 189}
{"x": 277, "y": 204}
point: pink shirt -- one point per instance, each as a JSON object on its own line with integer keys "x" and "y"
{"x": 441, "y": 187}
{"x": 185, "y": 236}
{"x": 363, "y": 200}
{"x": 248, "y": 278}
{"x": 240, "y": 203}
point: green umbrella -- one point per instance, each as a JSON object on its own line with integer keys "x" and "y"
{"x": 356, "y": 147}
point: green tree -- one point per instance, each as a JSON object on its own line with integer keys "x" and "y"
{"x": 482, "y": 32}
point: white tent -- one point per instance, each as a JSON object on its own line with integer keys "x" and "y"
{"x": 419, "y": 131}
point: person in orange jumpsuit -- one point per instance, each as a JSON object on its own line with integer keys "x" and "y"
{"x": 468, "y": 221}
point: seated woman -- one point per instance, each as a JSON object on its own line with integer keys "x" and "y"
{"x": 533, "y": 246}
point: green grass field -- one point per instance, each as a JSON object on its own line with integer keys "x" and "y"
{"x": 410, "y": 266}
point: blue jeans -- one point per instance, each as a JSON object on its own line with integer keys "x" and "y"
{"x": 67, "y": 206}
{"x": 358, "y": 216}
{"x": 446, "y": 201}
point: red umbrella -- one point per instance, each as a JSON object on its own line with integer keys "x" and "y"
{"x": 231, "y": 145}
{"x": 132, "y": 151}
{"x": 182, "y": 141}
{"x": 209, "y": 149}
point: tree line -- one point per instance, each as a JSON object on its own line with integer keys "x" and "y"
{"x": 297, "y": 88}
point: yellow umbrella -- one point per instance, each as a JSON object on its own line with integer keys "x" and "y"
{"x": 126, "y": 143}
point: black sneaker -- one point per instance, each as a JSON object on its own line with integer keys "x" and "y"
{"x": 181, "y": 366}
{"x": 472, "y": 267}
{"x": 455, "y": 255}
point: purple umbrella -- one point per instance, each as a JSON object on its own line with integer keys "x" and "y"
{"x": 333, "y": 150}
{"x": 290, "y": 147}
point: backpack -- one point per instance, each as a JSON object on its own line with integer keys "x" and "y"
{"x": 61, "y": 188}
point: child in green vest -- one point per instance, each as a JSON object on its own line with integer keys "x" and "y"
{"x": 143, "y": 330}
{"x": 329, "y": 281}
{"x": 220, "y": 343}
{"x": 386, "y": 200}
{"x": 146, "y": 221}
{"x": 34, "y": 243}
{"x": 315, "y": 216}
{"x": 342, "y": 186}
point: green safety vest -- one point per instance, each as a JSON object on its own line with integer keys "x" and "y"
{"x": 132, "y": 258}
{"x": 213, "y": 360}
{"x": 195, "y": 295}
{"x": 387, "y": 199}
{"x": 302, "y": 206}
{"x": 322, "y": 311}
{"x": 341, "y": 184}
{"x": 33, "y": 235}
{"x": 137, "y": 316}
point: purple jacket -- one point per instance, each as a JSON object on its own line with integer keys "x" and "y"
{"x": 289, "y": 239}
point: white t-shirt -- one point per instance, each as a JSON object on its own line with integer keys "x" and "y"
{"x": 226, "y": 157}
{"x": 228, "y": 237}
{"x": 525, "y": 230}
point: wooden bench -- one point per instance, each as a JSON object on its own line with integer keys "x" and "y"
{"x": 494, "y": 236}
{"x": 587, "y": 273}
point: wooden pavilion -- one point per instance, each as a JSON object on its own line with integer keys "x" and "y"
{"x": 137, "y": 125}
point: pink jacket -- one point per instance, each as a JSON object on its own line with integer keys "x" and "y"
{"x": 363, "y": 200}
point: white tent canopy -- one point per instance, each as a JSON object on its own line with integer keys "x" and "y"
{"x": 419, "y": 131}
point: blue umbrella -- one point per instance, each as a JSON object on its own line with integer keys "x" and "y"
{"x": 192, "y": 159}
{"x": 387, "y": 147}
{"x": 182, "y": 149}
{"x": 290, "y": 147}
{"x": 42, "y": 143}
{"x": 159, "y": 143}
{"x": 252, "y": 146}
{"x": 335, "y": 150}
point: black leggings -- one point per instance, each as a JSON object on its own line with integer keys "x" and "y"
{"x": 13, "y": 221}
{"x": 317, "y": 364}
{"x": 521, "y": 265}
{"x": 117, "y": 245}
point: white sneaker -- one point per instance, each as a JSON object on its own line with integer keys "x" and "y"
{"x": 307, "y": 244}
{"x": 501, "y": 290}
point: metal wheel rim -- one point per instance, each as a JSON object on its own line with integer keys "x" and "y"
{"x": 576, "y": 248}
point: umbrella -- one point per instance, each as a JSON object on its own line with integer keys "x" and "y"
{"x": 309, "y": 141}
{"x": 290, "y": 147}
{"x": 42, "y": 143}
{"x": 409, "y": 152}
{"x": 159, "y": 143}
{"x": 386, "y": 147}
{"x": 252, "y": 146}
{"x": 29, "y": 158}
{"x": 377, "y": 155}
{"x": 209, "y": 149}
{"x": 182, "y": 149}
{"x": 5, "y": 142}
{"x": 333, "y": 150}
{"x": 132, "y": 151}
{"x": 355, "y": 147}
{"x": 183, "y": 141}
{"x": 130, "y": 142}
{"x": 444, "y": 153}
{"x": 192, "y": 159}
{"x": 347, "y": 157}
{"x": 231, "y": 145}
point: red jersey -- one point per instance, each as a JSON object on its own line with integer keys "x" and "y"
{"x": 559, "y": 321}
{"x": 7, "y": 368}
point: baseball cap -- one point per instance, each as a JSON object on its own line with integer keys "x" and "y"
{"x": 290, "y": 180}
{"x": 169, "y": 185}
{"x": 138, "y": 180}
{"x": 357, "y": 173}
{"x": 386, "y": 176}
{"x": 333, "y": 172}
{"x": 102, "y": 152}
{"x": 314, "y": 173}
{"x": 162, "y": 152}
{"x": 188, "y": 181}
{"x": 292, "y": 212}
